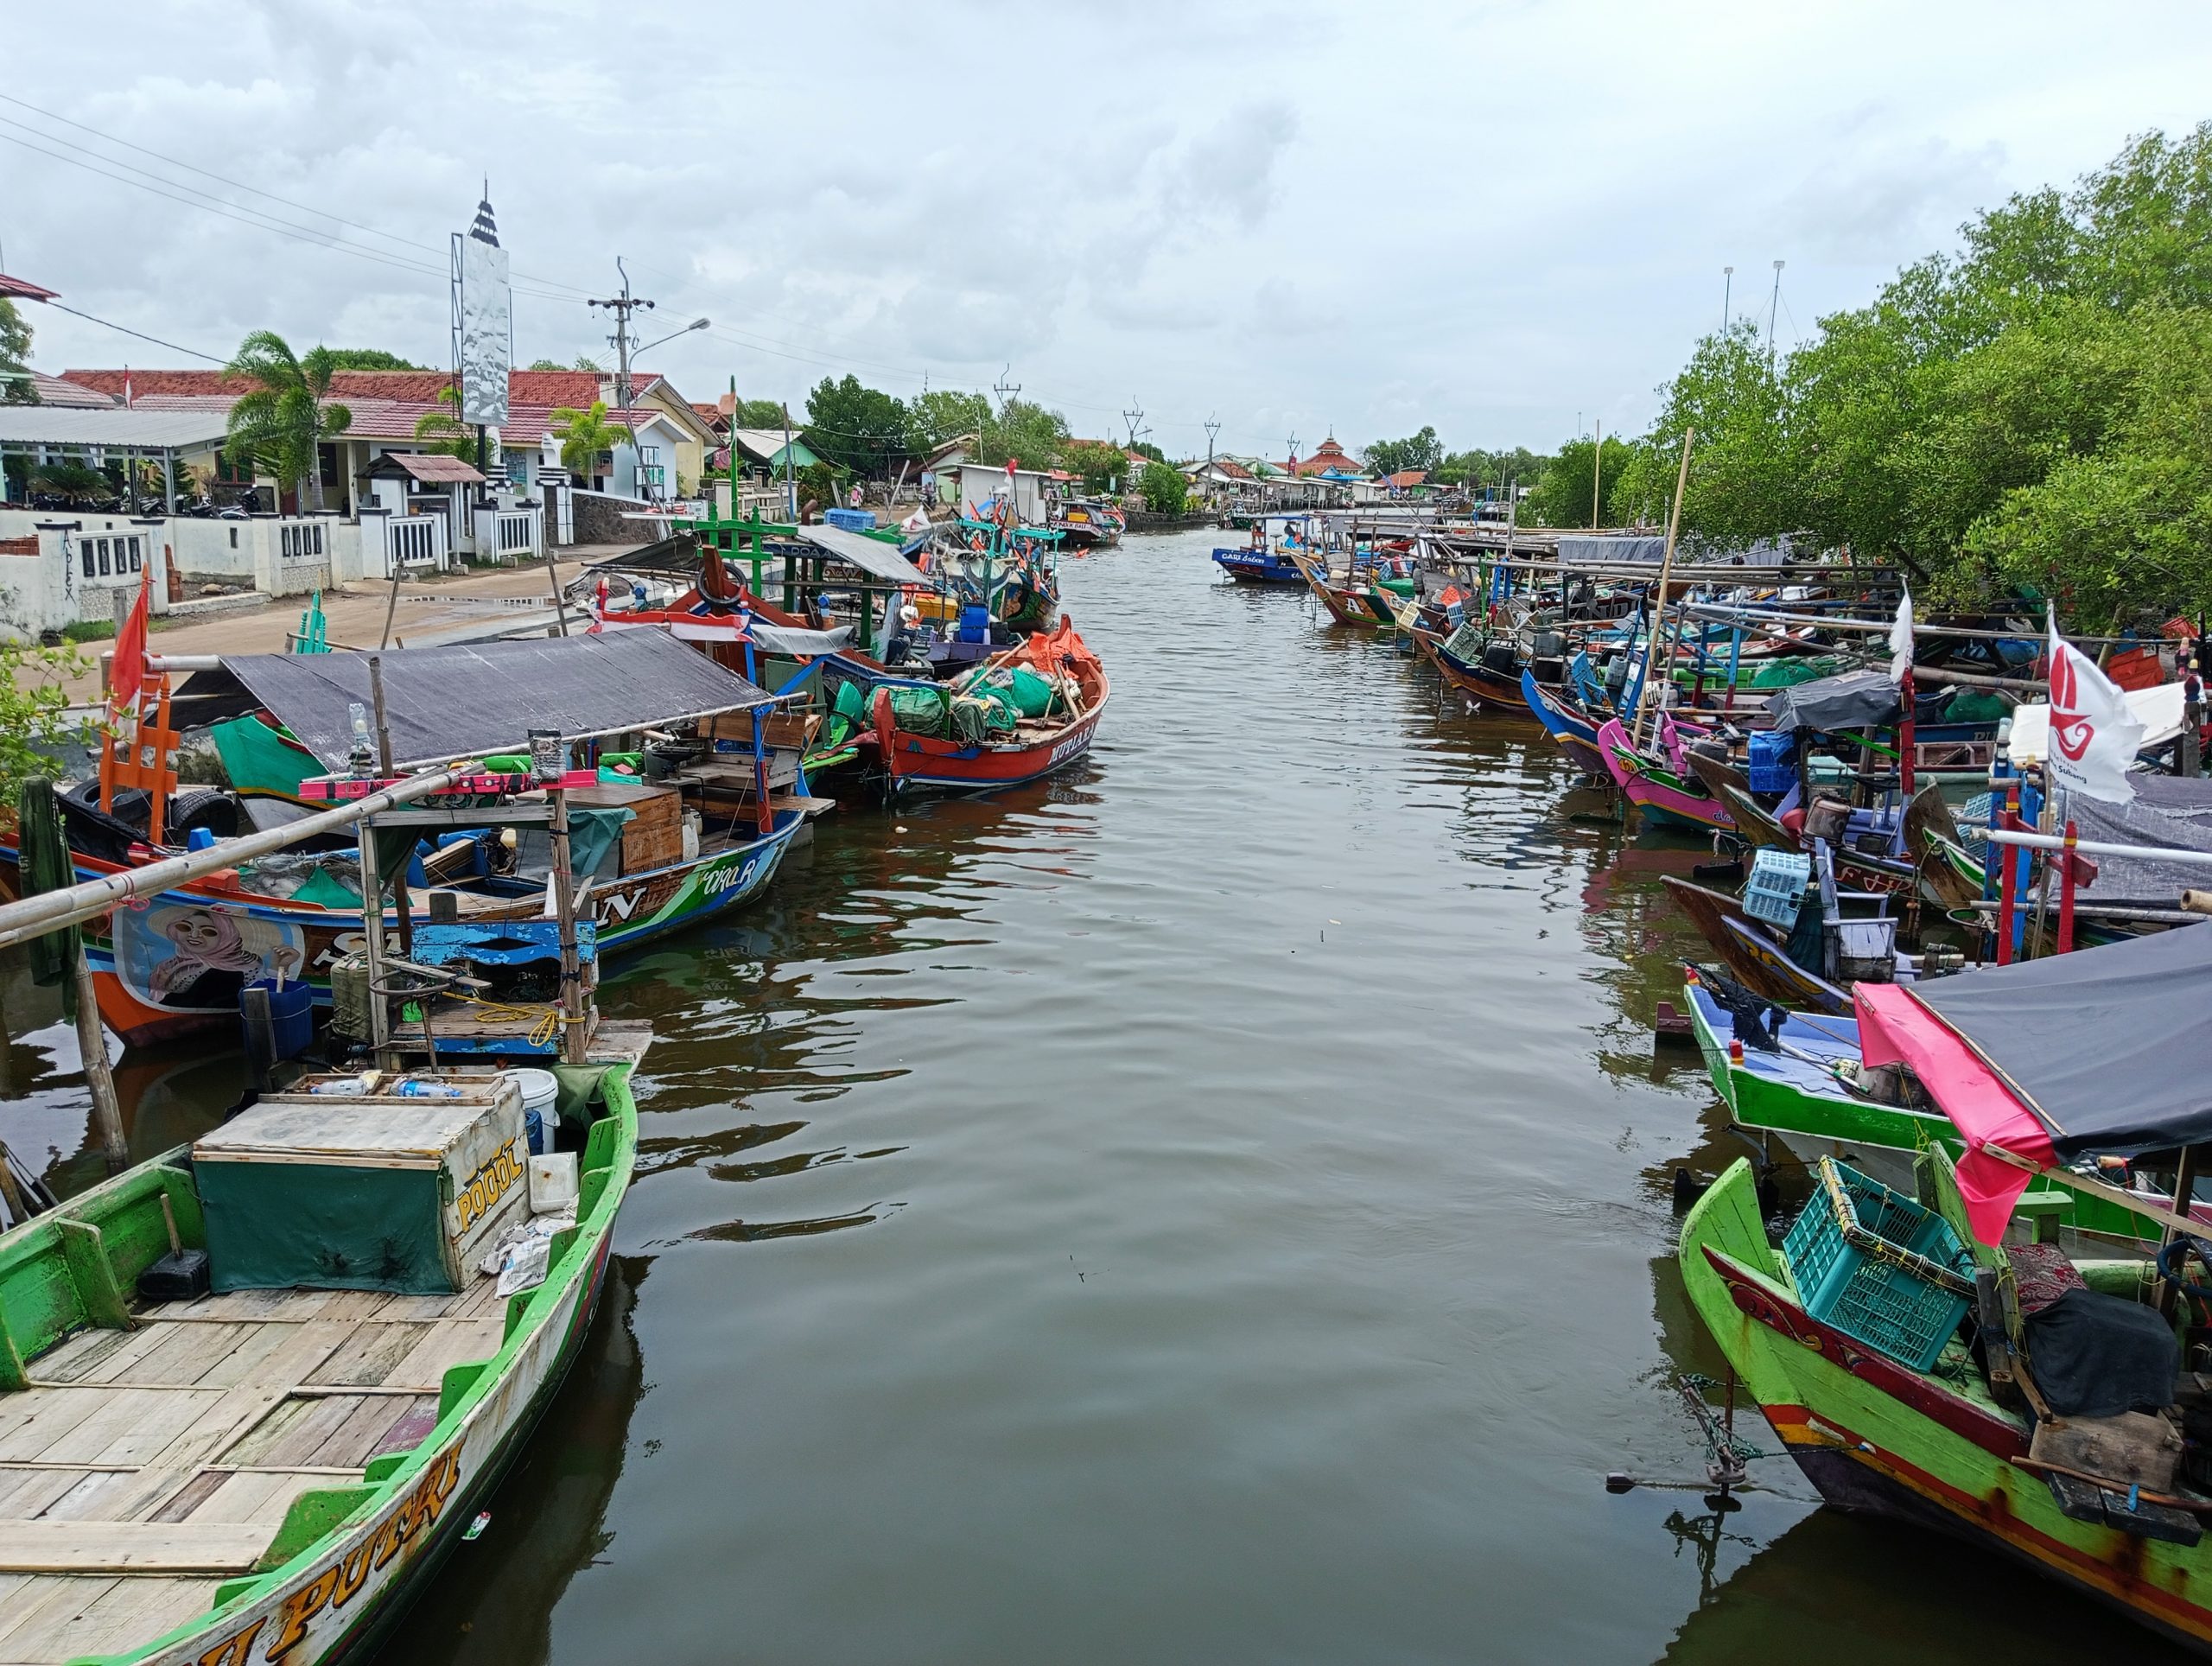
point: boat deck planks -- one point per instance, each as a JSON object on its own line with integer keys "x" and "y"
{"x": 143, "y": 1466}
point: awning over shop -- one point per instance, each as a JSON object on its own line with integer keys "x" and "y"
{"x": 469, "y": 699}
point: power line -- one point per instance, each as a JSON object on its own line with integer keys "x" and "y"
{"x": 241, "y": 185}
{"x": 189, "y": 352}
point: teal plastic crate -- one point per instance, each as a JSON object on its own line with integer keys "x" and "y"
{"x": 1877, "y": 1267}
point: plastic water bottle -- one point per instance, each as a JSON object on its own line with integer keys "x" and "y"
{"x": 342, "y": 1084}
{"x": 414, "y": 1088}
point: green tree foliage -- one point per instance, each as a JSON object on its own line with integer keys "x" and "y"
{"x": 860, "y": 429}
{"x": 1489, "y": 471}
{"x": 1164, "y": 488}
{"x": 1103, "y": 466}
{"x": 1562, "y": 495}
{"x": 281, "y": 419}
{"x": 1422, "y": 451}
{"x": 586, "y": 437}
{"x": 1028, "y": 431}
{"x": 15, "y": 387}
{"x": 2029, "y": 410}
{"x": 370, "y": 358}
{"x": 1146, "y": 449}
{"x": 443, "y": 430}
{"x": 817, "y": 484}
{"x": 943, "y": 414}
{"x": 78, "y": 482}
{"x": 35, "y": 720}
{"x": 761, "y": 413}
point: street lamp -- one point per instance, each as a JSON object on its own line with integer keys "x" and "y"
{"x": 695, "y": 324}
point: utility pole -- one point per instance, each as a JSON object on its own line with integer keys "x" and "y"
{"x": 622, "y": 306}
{"x": 1597, "y": 469}
{"x": 1213, "y": 426}
{"x": 1774, "y": 311}
{"x": 790, "y": 487}
{"x": 1006, "y": 391}
{"x": 1727, "y": 293}
{"x": 1133, "y": 417}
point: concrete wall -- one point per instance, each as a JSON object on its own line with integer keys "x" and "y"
{"x": 599, "y": 519}
{"x": 49, "y": 589}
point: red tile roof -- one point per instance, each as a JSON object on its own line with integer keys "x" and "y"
{"x": 548, "y": 388}
{"x": 432, "y": 466}
{"x": 1326, "y": 455}
{"x": 1406, "y": 477}
{"x": 24, "y": 290}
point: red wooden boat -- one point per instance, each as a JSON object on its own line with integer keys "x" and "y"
{"x": 1037, "y": 747}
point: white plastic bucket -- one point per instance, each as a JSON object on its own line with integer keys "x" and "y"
{"x": 538, "y": 1089}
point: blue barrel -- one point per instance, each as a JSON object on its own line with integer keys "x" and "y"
{"x": 291, "y": 1015}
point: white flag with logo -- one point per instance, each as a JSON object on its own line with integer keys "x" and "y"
{"x": 2094, "y": 737}
{"x": 1901, "y": 640}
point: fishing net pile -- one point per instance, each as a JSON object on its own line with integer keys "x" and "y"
{"x": 986, "y": 703}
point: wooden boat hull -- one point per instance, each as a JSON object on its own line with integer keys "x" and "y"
{"x": 1346, "y": 607}
{"x": 627, "y": 912}
{"x": 1663, "y": 801}
{"x": 1753, "y": 958}
{"x": 1874, "y": 1436}
{"x": 1569, "y": 727}
{"x": 923, "y": 763}
{"x": 1258, "y": 567}
{"x": 336, "y": 1592}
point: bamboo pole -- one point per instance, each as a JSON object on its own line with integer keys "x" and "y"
{"x": 1666, "y": 572}
{"x": 50, "y": 911}
{"x": 91, "y": 1043}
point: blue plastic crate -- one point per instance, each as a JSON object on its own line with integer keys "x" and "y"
{"x": 853, "y": 520}
{"x": 1877, "y": 1267}
{"x": 1770, "y": 761}
{"x": 1777, "y": 885}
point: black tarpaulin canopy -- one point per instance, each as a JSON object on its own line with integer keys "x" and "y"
{"x": 465, "y": 700}
{"x": 2100, "y": 1044}
{"x": 1855, "y": 700}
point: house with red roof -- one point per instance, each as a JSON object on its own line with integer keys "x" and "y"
{"x": 668, "y": 457}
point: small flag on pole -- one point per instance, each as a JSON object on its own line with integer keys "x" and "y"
{"x": 2094, "y": 736}
{"x": 127, "y": 674}
{"x": 1901, "y": 640}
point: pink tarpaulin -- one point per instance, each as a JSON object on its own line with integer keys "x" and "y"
{"x": 1894, "y": 1028}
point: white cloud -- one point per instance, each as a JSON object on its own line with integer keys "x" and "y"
{"x": 1490, "y": 218}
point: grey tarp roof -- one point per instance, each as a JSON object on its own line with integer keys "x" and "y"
{"x": 881, "y": 561}
{"x": 791, "y": 638}
{"x": 2097, "y": 1043}
{"x": 2169, "y": 811}
{"x": 1853, "y": 700}
{"x": 466, "y": 699}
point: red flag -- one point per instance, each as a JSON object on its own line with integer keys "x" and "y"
{"x": 129, "y": 671}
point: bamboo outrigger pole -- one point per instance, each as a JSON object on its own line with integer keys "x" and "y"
{"x": 1659, "y": 603}
{"x": 52, "y": 910}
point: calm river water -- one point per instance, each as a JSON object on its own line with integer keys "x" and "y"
{"x": 1211, "y": 1207}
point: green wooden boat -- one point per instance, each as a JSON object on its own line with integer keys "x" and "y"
{"x": 1798, "y": 1094}
{"x": 269, "y": 1474}
{"x": 1936, "y": 1446}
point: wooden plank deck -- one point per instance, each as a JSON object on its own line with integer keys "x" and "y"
{"x": 143, "y": 1467}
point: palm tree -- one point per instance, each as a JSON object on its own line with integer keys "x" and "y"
{"x": 587, "y": 435}
{"x": 443, "y": 432}
{"x": 284, "y": 419}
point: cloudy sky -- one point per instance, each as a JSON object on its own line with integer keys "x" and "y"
{"x": 1504, "y": 219}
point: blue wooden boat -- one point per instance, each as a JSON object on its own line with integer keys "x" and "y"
{"x": 1250, "y": 566}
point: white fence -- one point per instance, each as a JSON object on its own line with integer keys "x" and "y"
{"x": 408, "y": 542}
{"x": 509, "y": 534}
